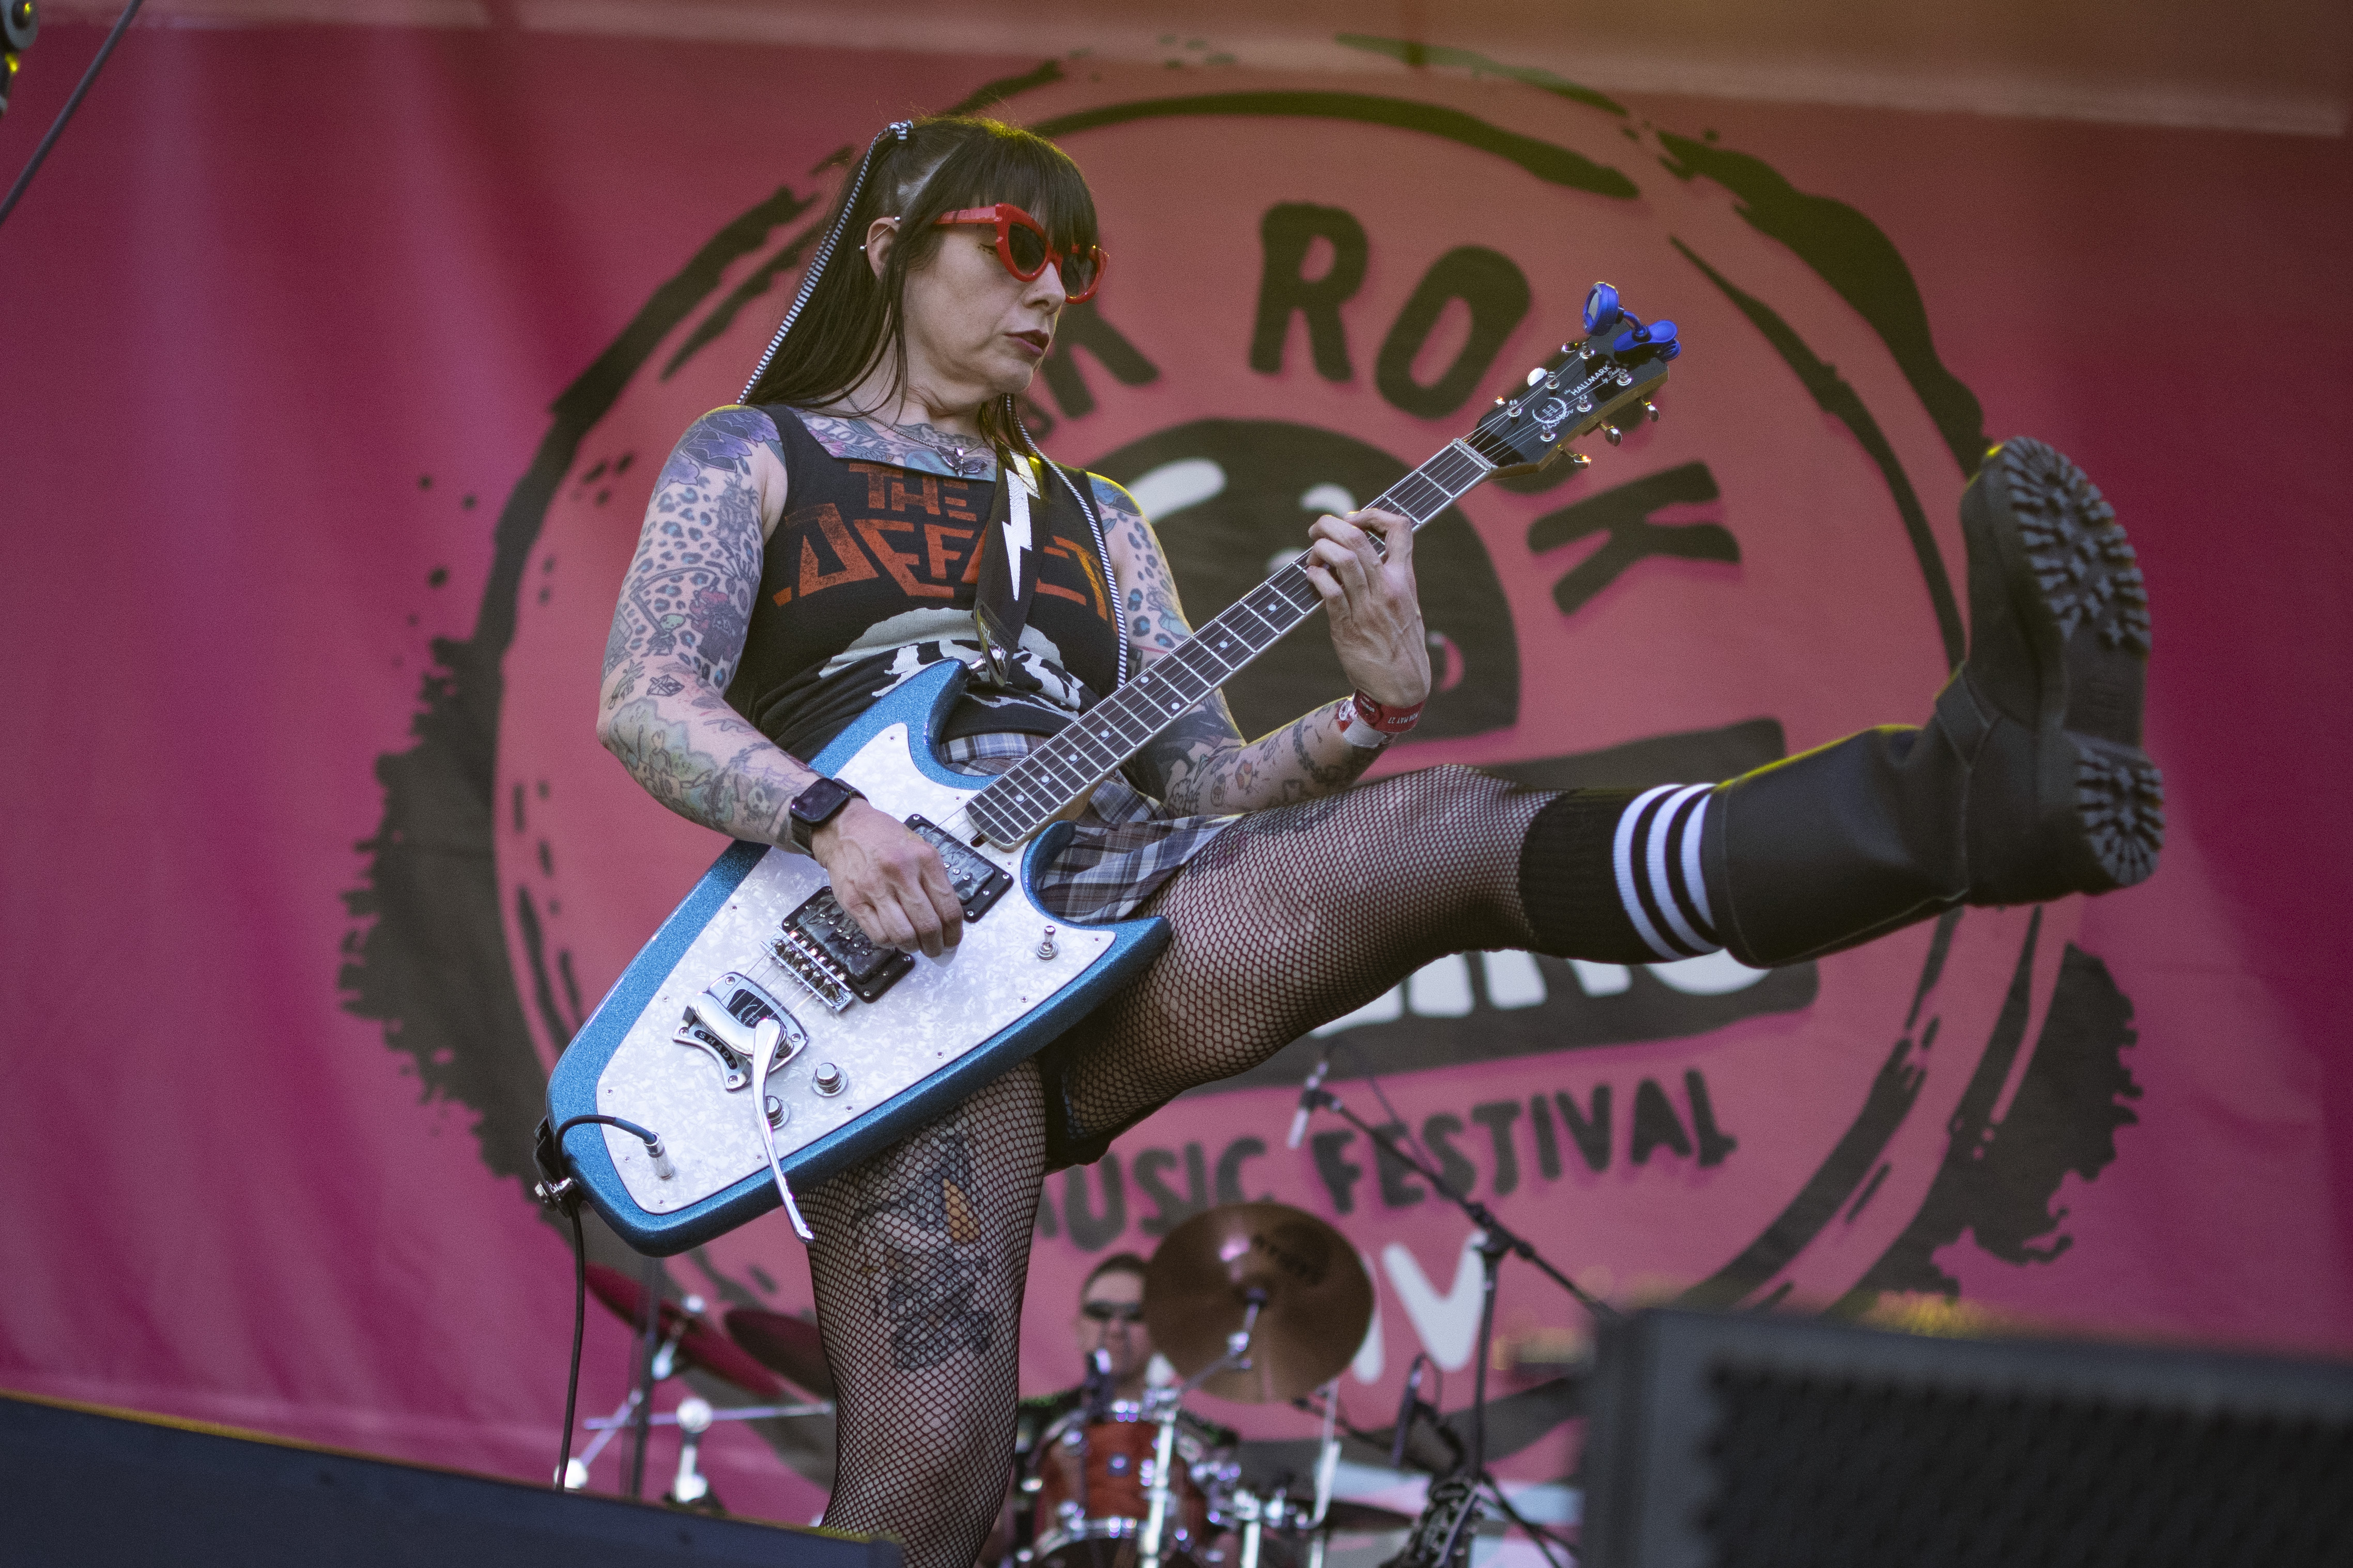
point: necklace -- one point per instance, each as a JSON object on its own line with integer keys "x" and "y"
{"x": 960, "y": 455}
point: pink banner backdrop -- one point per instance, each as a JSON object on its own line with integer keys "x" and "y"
{"x": 338, "y": 365}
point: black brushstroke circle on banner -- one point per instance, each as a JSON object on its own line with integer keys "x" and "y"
{"x": 1232, "y": 501}
{"x": 428, "y": 952}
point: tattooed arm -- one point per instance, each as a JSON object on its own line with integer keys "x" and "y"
{"x": 679, "y": 629}
{"x": 678, "y": 635}
{"x": 1201, "y": 763}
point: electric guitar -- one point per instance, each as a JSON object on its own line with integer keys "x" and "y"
{"x": 760, "y": 1039}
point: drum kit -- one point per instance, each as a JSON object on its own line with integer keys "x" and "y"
{"x": 1251, "y": 1302}
{"x": 755, "y": 1345}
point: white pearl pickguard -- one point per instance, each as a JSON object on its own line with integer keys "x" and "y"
{"x": 934, "y": 1014}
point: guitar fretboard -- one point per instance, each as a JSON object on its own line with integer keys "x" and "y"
{"x": 1029, "y": 794}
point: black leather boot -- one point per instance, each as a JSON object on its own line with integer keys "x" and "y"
{"x": 2028, "y": 783}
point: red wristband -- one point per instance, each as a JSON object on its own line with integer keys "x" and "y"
{"x": 1389, "y": 721}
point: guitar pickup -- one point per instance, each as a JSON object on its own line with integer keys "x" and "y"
{"x": 978, "y": 882}
{"x": 723, "y": 1024}
{"x": 824, "y": 949}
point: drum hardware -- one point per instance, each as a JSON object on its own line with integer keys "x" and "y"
{"x": 689, "y": 1488}
{"x": 1092, "y": 1481}
{"x": 715, "y": 1412}
{"x": 1496, "y": 1241}
{"x": 680, "y": 1338}
{"x": 1251, "y": 1514}
{"x": 1163, "y": 1459}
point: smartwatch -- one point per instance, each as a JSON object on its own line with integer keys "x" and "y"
{"x": 815, "y": 807}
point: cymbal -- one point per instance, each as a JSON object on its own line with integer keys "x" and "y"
{"x": 789, "y": 1346}
{"x": 1316, "y": 1298}
{"x": 700, "y": 1345}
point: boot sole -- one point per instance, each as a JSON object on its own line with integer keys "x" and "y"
{"x": 2077, "y": 591}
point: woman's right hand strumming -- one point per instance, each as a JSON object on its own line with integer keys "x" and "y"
{"x": 891, "y": 882}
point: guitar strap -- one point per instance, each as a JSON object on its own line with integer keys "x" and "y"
{"x": 1010, "y": 544}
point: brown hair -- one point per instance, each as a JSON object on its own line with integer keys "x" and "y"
{"x": 1117, "y": 1263}
{"x": 854, "y": 317}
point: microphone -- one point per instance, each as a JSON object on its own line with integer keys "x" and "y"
{"x": 1094, "y": 1389}
{"x": 1310, "y": 1094}
{"x": 1406, "y": 1409}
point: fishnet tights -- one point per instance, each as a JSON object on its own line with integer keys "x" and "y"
{"x": 1294, "y": 916}
{"x": 920, "y": 1256}
{"x": 1291, "y": 917}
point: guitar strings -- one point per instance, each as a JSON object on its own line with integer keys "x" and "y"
{"x": 1451, "y": 471}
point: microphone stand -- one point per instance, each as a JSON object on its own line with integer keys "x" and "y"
{"x": 1496, "y": 1242}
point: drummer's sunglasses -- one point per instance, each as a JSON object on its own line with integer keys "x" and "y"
{"x": 1021, "y": 245}
{"x": 1112, "y": 1311}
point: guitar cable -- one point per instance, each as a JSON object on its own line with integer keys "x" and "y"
{"x": 579, "y": 1325}
{"x": 558, "y": 1190}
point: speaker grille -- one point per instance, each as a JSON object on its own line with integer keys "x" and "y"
{"x": 1809, "y": 1471}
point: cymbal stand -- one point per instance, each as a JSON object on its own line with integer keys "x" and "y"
{"x": 1496, "y": 1242}
{"x": 1370, "y": 1439}
{"x": 691, "y": 1487}
{"x": 1161, "y": 1406}
{"x": 575, "y": 1471}
{"x": 1327, "y": 1458}
{"x": 649, "y": 1297}
{"x": 634, "y": 1413}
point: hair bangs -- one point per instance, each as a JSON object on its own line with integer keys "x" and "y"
{"x": 1009, "y": 164}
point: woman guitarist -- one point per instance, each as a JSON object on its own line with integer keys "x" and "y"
{"x": 851, "y": 522}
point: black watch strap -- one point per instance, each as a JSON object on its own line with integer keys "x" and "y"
{"x": 817, "y": 806}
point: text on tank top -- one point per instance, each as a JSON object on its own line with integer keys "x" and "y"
{"x": 869, "y": 579}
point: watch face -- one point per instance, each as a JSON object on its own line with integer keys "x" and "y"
{"x": 820, "y": 801}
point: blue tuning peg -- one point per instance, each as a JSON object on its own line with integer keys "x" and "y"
{"x": 1659, "y": 335}
{"x": 1601, "y": 311}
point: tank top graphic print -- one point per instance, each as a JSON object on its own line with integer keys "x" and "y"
{"x": 869, "y": 579}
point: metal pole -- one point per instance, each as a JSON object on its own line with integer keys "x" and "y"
{"x": 1490, "y": 1256}
{"x": 57, "y": 126}
{"x": 648, "y": 1320}
{"x": 1163, "y": 1454}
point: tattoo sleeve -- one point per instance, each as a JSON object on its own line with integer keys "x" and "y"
{"x": 678, "y": 634}
{"x": 1202, "y": 764}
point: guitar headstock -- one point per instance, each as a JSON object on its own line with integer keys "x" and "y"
{"x": 1602, "y": 382}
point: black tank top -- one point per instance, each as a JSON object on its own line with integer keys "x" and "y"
{"x": 869, "y": 580}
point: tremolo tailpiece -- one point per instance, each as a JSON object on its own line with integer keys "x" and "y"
{"x": 723, "y": 1023}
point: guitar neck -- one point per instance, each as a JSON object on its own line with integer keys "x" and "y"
{"x": 1062, "y": 771}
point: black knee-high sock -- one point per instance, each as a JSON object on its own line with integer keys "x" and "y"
{"x": 1613, "y": 875}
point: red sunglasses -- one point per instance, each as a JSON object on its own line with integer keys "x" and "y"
{"x": 1021, "y": 245}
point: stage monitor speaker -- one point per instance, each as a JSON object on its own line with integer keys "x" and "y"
{"x": 82, "y": 1488}
{"x": 1754, "y": 1441}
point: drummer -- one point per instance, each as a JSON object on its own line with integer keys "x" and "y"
{"x": 1110, "y": 1318}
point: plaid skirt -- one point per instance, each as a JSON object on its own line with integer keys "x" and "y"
{"x": 1121, "y": 850}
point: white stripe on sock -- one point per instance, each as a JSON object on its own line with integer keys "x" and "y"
{"x": 1662, "y": 886}
{"x": 1621, "y": 857}
{"x": 1691, "y": 874}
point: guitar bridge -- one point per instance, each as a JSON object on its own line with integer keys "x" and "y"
{"x": 723, "y": 1022}
{"x": 825, "y": 951}
{"x": 821, "y": 946}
